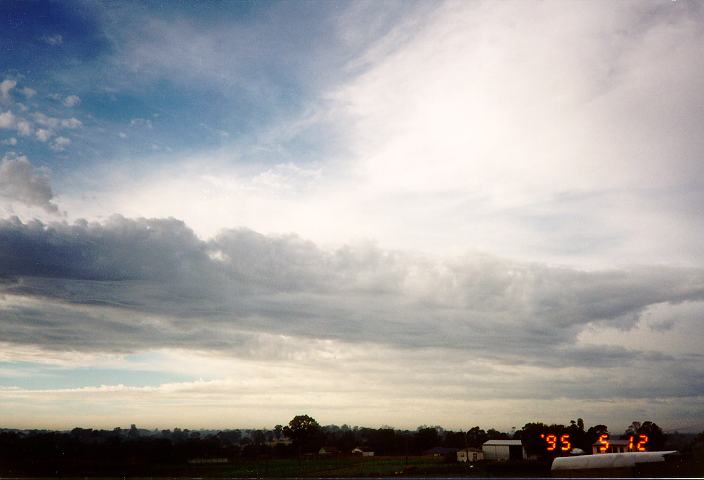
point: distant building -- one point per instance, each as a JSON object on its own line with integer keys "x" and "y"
{"x": 280, "y": 441}
{"x": 328, "y": 451}
{"x": 470, "y": 455}
{"x": 503, "y": 450}
{"x": 615, "y": 446}
{"x": 363, "y": 451}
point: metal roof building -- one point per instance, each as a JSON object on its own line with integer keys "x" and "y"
{"x": 503, "y": 450}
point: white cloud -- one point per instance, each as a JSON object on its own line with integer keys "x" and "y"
{"x": 72, "y": 101}
{"x": 53, "y": 39}
{"x": 458, "y": 135}
{"x": 21, "y": 182}
{"x": 5, "y": 87}
{"x": 43, "y": 135}
{"x": 9, "y": 141}
{"x": 45, "y": 120}
{"x": 141, "y": 122}
{"x": 24, "y": 128}
{"x": 252, "y": 394}
{"x": 60, "y": 143}
{"x": 551, "y": 135}
{"x": 7, "y": 120}
{"x": 71, "y": 123}
{"x": 28, "y": 92}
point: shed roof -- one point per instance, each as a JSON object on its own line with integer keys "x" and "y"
{"x": 503, "y": 442}
{"x": 616, "y": 441}
{"x": 609, "y": 460}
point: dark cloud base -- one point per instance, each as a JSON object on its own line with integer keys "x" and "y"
{"x": 134, "y": 284}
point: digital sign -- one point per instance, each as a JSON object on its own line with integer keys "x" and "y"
{"x": 551, "y": 440}
{"x": 635, "y": 443}
{"x": 561, "y": 443}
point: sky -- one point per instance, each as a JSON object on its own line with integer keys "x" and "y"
{"x": 224, "y": 214}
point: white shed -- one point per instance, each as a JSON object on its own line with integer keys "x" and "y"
{"x": 363, "y": 451}
{"x": 469, "y": 455}
{"x": 503, "y": 450}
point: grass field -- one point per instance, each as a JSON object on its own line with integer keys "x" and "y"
{"x": 345, "y": 466}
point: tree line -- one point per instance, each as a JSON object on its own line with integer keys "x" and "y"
{"x": 122, "y": 451}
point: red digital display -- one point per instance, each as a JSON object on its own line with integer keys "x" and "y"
{"x": 636, "y": 443}
{"x": 552, "y": 441}
{"x": 604, "y": 440}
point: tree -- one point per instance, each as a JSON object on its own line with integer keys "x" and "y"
{"x": 496, "y": 435}
{"x": 258, "y": 437}
{"x": 578, "y": 437}
{"x": 531, "y": 439}
{"x": 278, "y": 431}
{"x": 476, "y": 437}
{"x": 304, "y": 431}
{"x": 656, "y": 437}
{"x": 594, "y": 433}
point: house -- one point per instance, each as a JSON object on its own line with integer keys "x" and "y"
{"x": 469, "y": 455}
{"x": 440, "y": 452}
{"x": 612, "y": 446}
{"x": 363, "y": 451}
{"x": 283, "y": 441}
{"x": 503, "y": 450}
{"x": 329, "y": 450}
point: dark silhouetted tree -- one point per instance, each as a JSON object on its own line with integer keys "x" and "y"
{"x": 496, "y": 435}
{"x": 305, "y": 433}
{"x": 656, "y": 437}
{"x": 476, "y": 437}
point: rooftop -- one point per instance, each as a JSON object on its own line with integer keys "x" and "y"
{"x": 503, "y": 442}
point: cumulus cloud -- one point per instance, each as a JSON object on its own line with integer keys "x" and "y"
{"x": 24, "y": 128}
{"x": 10, "y": 120}
{"x": 7, "y": 119}
{"x": 45, "y": 120}
{"x": 54, "y": 123}
{"x": 72, "y": 101}
{"x": 60, "y": 143}
{"x": 21, "y": 182}
{"x": 5, "y": 87}
{"x": 71, "y": 123}
{"x": 28, "y": 92}
{"x": 43, "y": 135}
{"x": 9, "y": 141}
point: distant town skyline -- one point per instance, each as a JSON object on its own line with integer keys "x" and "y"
{"x": 225, "y": 214}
